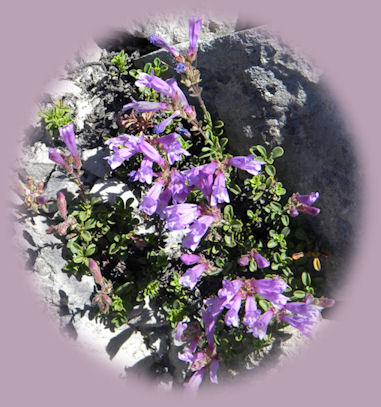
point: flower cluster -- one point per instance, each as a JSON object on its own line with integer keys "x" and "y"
{"x": 192, "y": 196}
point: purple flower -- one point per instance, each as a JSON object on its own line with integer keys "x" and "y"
{"x": 230, "y": 289}
{"x": 159, "y": 128}
{"x": 162, "y": 203}
{"x": 181, "y": 215}
{"x": 197, "y": 231}
{"x": 68, "y": 136}
{"x": 271, "y": 289}
{"x": 307, "y": 199}
{"x": 178, "y": 96}
{"x": 202, "y": 177}
{"x": 188, "y": 333}
{"x": 260, "y": 260}
{"x": 191, "y": 276}
{"x": 190, "y": 259}
{"x": 129, "y": 147}
{"x": 303, "y": 203}
{"x": 150, "y": 201}
{"x": 144, "y": 173}
{"x": 172, "y": 147}
{"x": 251, "y": 311}
{"x": 179, "y": 67}
{"x": 219, "y": 192}
{"x": 150, "y": 152}
{"x": 209, "y": 316}
{"x": 142, "y": 106}
{"x": 178, "y": 187}
{"x": 231, "y": 317}
{"x": 159, "y": 42}
{"x": 151, "y": 81}
{"x": 201, "y": 361}
{"x": 56, "y": 157}
{"x": 259, "y": 327}
{"x": 246, "y": 163}
{"x": 195, "y": 24}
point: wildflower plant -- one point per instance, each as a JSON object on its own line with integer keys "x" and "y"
{"x": 242, "y": 272}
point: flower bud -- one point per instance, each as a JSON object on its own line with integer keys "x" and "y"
{"x": 95, "y": 271}
{"x": 61, "y": 204}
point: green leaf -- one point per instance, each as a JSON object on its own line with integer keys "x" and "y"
{"x": 257, "y": 195}
{"x": 277, "y": 152}
{"x": 299, "y": 294}
{"x": 261, "y": 150}
{"x": 306, "y": 278}
{"x": 90, "y": 250}
{"x": 285, "y": 220}
{"x": 228, "y": 213}
{"x": 114, "y": 248}
{"x": 271, "y": 244}
{"x": 83, "y": 216}
{"x": 86, "y": 236}
{"x": 270, "y": 170}
{"x": 229, "y": 240}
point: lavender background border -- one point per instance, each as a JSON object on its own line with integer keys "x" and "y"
{"x": 38, "y": 366}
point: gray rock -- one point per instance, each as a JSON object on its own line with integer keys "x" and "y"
{"x": 60, "y": 181}
{"x": 109, "y": 189}
{"x": 36, "y": 163}
{"x": 175, "y": 29}
{"x": 266, "y": 93}
{"x": 93, "y": 161}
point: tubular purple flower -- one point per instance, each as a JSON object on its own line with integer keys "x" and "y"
{"x": 213, "y": 371}
{"x": 130, "y": 146}
{"x": 56, "y": 157}
{"x": 303, "y": 324}
{"x": 172, "y": 146}
{"x": 246, "y": 163}
{"x": 259, "y": 327}
{"x": 178, "y": 96}
{"x": 260, "y": 260}
{"x": 307, "y": 199}
{"x": 150, "y": 152}
{"x": 162, "y": 203}
{"x": 181, "y": 215}
{"x": 180, "y": 328}
{"x": 144, "y": 173}
{"x": 271, "y": 289}
{"x": 195, "y": 24}
{"x": 190, "y": 259}
{"x": 149, "y": 203}
{"x": 178, "y": 187}
{"x": 151, "y": 81}
{"x": 229, "y": 289}
{"x": 195, "y": 381}
{"x": 68, "y": 136}
{"x": 197, "y": 231}
{"x": 143, "y": 106}
{"x": 191, "y": 276}
{"x": 159, "y": 42}
{"x": 159, "y": 128}
{"x": 231, "y": 317}
{"x": 202, "y": 177}
{"x": 310, "y": 210}
{"x": 251, "y": 311}
{"x": 219, "y": 192}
